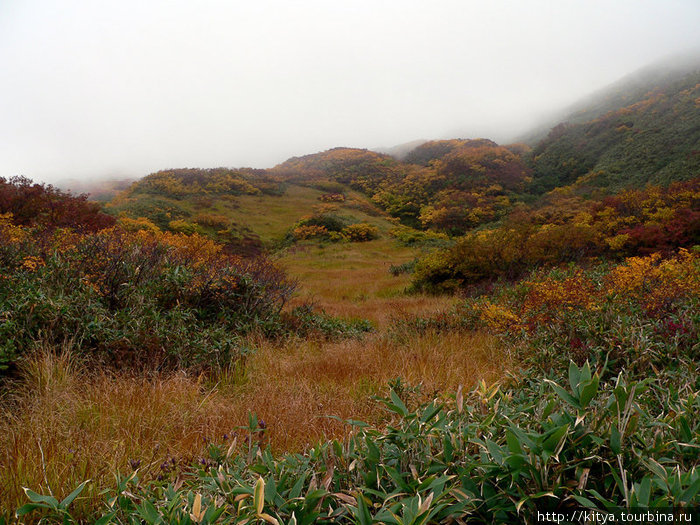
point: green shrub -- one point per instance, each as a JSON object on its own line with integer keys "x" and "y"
{"x": 329, "y": 221}
{"x": 159, "y": 299}
{"x": 411, "y": 237}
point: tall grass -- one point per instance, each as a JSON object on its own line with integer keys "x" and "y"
{"x": 63, "y": 424}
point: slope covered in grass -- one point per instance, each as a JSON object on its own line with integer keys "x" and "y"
{"x": 251, "y": 218}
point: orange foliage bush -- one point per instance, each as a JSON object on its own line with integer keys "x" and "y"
{"x": 360, "y": 232}
{"x": 309, "y": 232}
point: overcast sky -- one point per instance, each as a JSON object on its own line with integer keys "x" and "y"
{"x": 122, "y": 88}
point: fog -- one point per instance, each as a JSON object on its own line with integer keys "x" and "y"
{"x": 123, "y": 88}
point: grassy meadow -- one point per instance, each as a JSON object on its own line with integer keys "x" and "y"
{"x": 354, "y": 280}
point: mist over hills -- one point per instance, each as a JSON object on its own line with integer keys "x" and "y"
{"x": 656, "y": 136}
{"x": 629, "y": 89}
{"x": 349, "y": 262}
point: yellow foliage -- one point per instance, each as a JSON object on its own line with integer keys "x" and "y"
{"x": 140, "y": 223}
{"x": 655, "y": 281}
{"x": 182, "y": 226}
{"x": 617, "y": 242}
{"x": 360, "y": 232}
{"x": 576, "y": 291}
{"x": 31, "y": 263}
{"x": 497, "y": 317}
{"x": 9, "y": 231}
{"x": 198, "y": 247}
{"x": 309, "y": 232}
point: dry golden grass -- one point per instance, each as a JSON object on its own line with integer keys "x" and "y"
{"x": 63, "y": 425}
{"x": 353, "y": 280}
{"x": 295, "y": 386}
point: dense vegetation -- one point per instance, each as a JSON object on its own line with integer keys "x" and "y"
{"x": 165, "y": 300}
{"x": 574, "y": 264}
{"x": 37, "y": 204}
{"x": 566, "y": 228}
{"x": 653, "y": 140}
{"x": 552, "y": 439}
{"x": 453, "y": 185}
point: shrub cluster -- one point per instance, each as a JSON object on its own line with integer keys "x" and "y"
{"x": 332, "y": 197}
{"x": 411, "y": 237}
{"x": 360, "y": 232}
{"x": 327, "y": 226}
{"x": 179, "y": 183}
{"x": 640, "y": 314}
{"x": 31, "y": 204}
{"x": 569, "y": 229}
{"x": 132, "y": 297}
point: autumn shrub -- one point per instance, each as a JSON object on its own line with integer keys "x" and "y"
{"x": 38, "y": 204}
{"x": 134, "y": 225}
{"x": 181, "y": 183}
{"x": 332, "y": 197}
{"x": 638, "y": 314}
{"x": 411, "y": 237}
{"x": 360, "y": 232}
{"x": 329, "y": 221}
{"x": 162, "y": 299}
{"x": 304, "y": 232}
{"x": 478, "y": 256}
{"x": 330, "y": 227}
{"x": 564, "y": 228}
{"x": 182, "y": 226}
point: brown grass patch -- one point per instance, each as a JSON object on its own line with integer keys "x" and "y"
{"x": 63, "y": 425}
{"x": 293, "y": 387}
{"x": 353, "y": 280}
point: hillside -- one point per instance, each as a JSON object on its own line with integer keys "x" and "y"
{"x": 561, "y": 201}
{"x": 302, "y": 223}
{"x": 248, "y": 210}
{"x": 629, "y": 89}
{"x": 448, "y": 186}
{"x": 646, "y": 129}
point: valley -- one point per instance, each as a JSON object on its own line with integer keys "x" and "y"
{"x": 463, "y": 334}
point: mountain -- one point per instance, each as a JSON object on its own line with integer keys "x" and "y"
{"x": 629, "y": 89}
{"x": 644, "y": 129}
